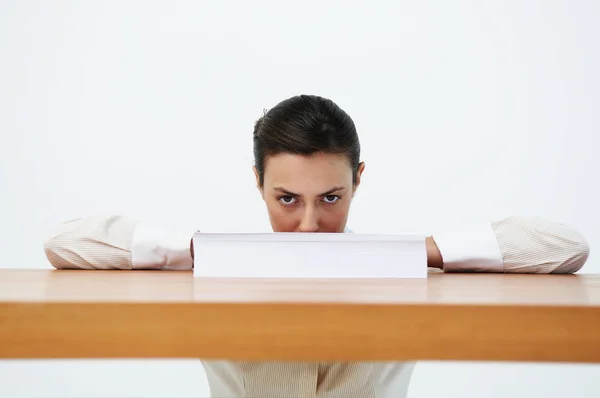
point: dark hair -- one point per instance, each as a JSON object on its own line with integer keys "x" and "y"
{"x": 305, "y": 125}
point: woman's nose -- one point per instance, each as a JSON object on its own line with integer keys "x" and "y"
{"x": 310, "y": 221}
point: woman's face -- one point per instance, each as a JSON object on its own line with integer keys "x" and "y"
{"x": 308, "y": 193}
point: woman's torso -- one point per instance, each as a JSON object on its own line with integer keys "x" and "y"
{"x": 308, "y": 379}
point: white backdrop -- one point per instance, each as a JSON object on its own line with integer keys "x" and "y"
{"x": 466, "y": 111}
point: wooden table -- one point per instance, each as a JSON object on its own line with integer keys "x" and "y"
{"x": 166, "y": 314}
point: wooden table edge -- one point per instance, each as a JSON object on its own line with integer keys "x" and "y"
{"x": 300, "y": 331}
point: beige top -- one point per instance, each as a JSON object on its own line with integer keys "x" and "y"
{"x": 523, "y": 244}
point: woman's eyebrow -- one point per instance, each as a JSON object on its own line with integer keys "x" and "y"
{"x": 329, "y": 192}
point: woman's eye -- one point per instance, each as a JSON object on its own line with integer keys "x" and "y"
{"x": 331, "y": 198}
{"x": 287, "y": 200}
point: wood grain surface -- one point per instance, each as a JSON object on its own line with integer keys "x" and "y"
{"x": 167, "y": 314}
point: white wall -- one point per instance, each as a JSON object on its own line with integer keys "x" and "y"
{"x": 466, "y": 111}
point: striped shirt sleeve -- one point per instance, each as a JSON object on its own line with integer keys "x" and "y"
{"x": 93, "y": 242}
{"x": 532, "y": 245}
{"x": 118, "y": 242}
{"x": 540, "y": 246}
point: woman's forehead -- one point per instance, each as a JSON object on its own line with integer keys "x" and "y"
{"x": 318, "y": 172}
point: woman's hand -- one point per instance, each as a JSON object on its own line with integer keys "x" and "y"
{"x": 192, "y": 251}
{"x": 434, "y": 257}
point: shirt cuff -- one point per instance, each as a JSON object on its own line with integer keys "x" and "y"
{"x": 157, "y": 247}
{"x": 470, "y": 249}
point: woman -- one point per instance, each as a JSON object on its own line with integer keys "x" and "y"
{"x": 307, "y": 168}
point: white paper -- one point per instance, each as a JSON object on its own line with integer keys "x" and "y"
{"x": 309, "y": 255}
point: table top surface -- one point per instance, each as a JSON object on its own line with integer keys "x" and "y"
{"x": 182, "y": 286}
{"x": 168, "y": 314}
